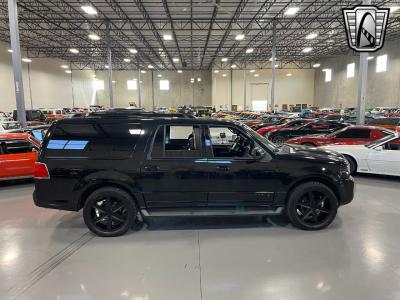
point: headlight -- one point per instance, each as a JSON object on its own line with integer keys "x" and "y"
{"x": 345, "y": 170}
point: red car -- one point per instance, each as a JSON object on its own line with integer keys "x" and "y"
{"x": 18, "y": 154}
{"x": 290, "y": 123}
{"x": 351, "y": 135}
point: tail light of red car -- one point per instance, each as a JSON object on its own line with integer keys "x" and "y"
{"x": 40, "y": 171}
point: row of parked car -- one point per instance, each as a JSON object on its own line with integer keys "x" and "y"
{"x": 367, "y": 148}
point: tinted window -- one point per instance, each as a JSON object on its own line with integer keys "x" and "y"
{"x": 96, "y": 141}
{"x": 354, "y": 134}
{"x": 15, "y": 146}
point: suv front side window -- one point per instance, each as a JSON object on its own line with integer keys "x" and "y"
{"x": 228, "y": 142}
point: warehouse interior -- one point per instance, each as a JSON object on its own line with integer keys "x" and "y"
{"x": 263, "y": 64}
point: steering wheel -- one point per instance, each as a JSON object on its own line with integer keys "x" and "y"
{"x": 237, "y": 145}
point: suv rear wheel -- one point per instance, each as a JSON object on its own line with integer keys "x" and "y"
{"x": 109, "y": 212}
{"x": 312, "y": 206}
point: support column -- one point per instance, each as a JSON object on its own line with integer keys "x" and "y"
{"x": 244, "y": 87}
{"x": 72, "y": 86}
{"x": 362, "y": 82}
{"x": 273, "y": 66}
{"x": 109, "y": 61}
{"x": 152, "y": 89}
{"x": 30, "y": 84}
{"x": 16, "y": 61}
{"x": 139, "y": 91}
{"x": 231, "y": 90}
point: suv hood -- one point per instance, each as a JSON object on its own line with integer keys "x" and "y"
{"x": 312, "y": 153}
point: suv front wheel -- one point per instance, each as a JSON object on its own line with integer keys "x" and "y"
{"x": 312, "y": 206}
{"x": 109, "y": 212}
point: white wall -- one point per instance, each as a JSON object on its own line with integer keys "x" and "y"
{"x": 181, "y": 91}
{"x": 383, "y": 89}
{"x": 49, "y": 85}
{"x": 297, "y": 89}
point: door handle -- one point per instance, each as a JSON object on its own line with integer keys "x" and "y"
{"x": 222, "y": 168}
{"x": 152, "y": 168}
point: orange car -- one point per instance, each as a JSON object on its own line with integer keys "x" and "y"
{"x": 18, "y": 153}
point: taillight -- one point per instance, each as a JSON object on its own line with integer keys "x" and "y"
{"x": 41, "y": 171}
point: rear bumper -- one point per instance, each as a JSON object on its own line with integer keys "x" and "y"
{"x": 43, "y": 201}
{"x": 346, "y": 190}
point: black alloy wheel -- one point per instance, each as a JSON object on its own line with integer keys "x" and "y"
{"x": 109, "y": 212}
{"x": 312, "y": 206}
{"x": 278, "y": 140}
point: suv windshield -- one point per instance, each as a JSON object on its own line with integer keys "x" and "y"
{"x": 258, "y": 138}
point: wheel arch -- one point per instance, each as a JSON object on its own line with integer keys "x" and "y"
{"x": 97, "y": 184}
{"x": 321, "y": 179}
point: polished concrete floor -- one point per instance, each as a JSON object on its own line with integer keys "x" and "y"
{"x": 49, "y": 254}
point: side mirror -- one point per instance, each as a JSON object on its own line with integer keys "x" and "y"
{"x": 257, "y": 153}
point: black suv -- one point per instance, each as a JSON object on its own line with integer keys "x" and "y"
{"x": 120, "y": 170}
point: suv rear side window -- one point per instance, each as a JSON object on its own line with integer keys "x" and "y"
{"x": 177, "y": 141}
{"x": 96, "y": 140}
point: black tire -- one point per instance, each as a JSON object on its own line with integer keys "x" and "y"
{"x": 309, "y": 145}
{"x": 278, "y": 140}
{"x": 352, "y": 163}
{"x": 109, "y": 212}
{"x": 312, "y": 206}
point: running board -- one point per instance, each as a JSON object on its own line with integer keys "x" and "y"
{"x": 207, "y": 213}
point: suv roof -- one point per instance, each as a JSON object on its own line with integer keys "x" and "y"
{"x": 137, "y": 113}
{"x": 162, "y": 119}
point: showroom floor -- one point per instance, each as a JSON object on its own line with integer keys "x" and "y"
{"x": 48, "y": 254}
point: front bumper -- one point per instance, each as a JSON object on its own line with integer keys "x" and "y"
{"x": 346, "y": 190}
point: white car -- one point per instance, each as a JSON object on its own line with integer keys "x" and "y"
{"x": 378, "y": 157}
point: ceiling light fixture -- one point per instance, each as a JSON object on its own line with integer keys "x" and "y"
{"x": 249, "y": 50}
{"x": 180, "y": 71}
{"x": 224, "y": 59}
{"x": 27, "y": 60}
{"x": 143, "y": 71}
{"x": 256, "y": 75}
{"x": 289, "y": 74}
{"x": 10, "y": 51}
{"x": 94, "y": 37}
{"x": 307, "y": 50}
{"x": 74, "y": 50}
{"x": 198, "y": 79}
{"x": 159, "y": 75}
{"x": 106, "y": 66}
{"x": 311, "y": 36}
{"x": 252, "y": 71}
{"x": 133, "y": 50}
{"x": 167, "y": 37}
{"x": 224, "y": 75}
{"x": 150, "y": 66}
{"x": 216, "y": 71}
{"x": 370, "y": 57}
{"x": 239, "y": 37}
{"x": 127, "y": 60}
{"x": 233, "y": 66}
{"x": 175, "y": 59}
{"x": 291, "y": 11}
{"x": 316, "y": 65}
{"x": 90, "y": 10}
{"x": 68, "y": 71}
